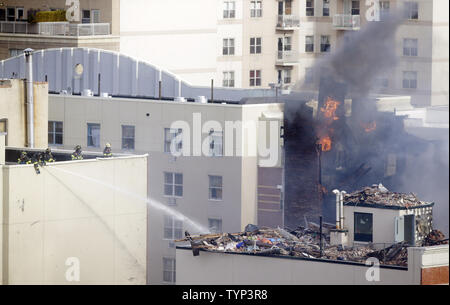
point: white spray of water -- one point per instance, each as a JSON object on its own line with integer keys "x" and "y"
{"x": 195, "y": 226}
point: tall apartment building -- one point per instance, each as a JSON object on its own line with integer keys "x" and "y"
{"x": 250, "y": 43}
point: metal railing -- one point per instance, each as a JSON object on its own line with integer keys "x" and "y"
{"x": 288, "y": 21}
{"x": 287, "y": 57}
{"x": 56, "y": 28}
{"x": 351, "y": 22}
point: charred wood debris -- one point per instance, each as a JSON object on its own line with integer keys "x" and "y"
{"x": 304, "y": 242}
{"x": 301, "y": 243}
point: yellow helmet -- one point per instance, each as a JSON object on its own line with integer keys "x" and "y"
{"x": 108, "y": 145}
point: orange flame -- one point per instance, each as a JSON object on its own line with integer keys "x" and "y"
{"x": 329, "y": 116}
{"x": 369, "y": 127}
{"x": 326, "y": 143}
{"x": 329, "y": 111}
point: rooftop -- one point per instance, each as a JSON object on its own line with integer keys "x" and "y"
{"x": 377, "y": 196}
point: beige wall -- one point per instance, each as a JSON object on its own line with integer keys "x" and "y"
{"x": 13, "y": 108}
{"x": 230, "y": 269}
{"x": 61, "y": 214}
{"x": 238, "y": 206}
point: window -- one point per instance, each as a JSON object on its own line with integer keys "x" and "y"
{"x": 410, "y": 79}
{"x": 215, "y": 187}
{"x": 86, "y": 16}
{"x": 411, "y": 10}
{"x": 255, "y": 9}
{"x": 93, "y": 135}
{"x": 215, "y": 225}
{"x": 20, "y": 13}
{"x": 363, "y": 227}
{"x": 11, "y": 13}
{"x": 309, "y": 7}
{"x": 215, "y": 143}
{"x": 326, "y": 8}
{"x": 325, "y": 44}
{"x": 228, "y": 79}
{"x": 173, "y": 184}
{"x": 95, "y": 16}
{"x": 55, "y": 133}
{"x": 173, "y": 135}
{"x": 255, "y": 78}
{"x": 4, "y": 129}
{"x": 2, "y": 14}
{"x": 229, "y": 9}
{"x": 128, "y": 137}
{"x": 309, "y": 44}
{"x": 384, "y": 9}
{"x": 173, "y": 228}
{"x": 410, "y": 47}
{"x": 255, "y": 45}
{"x": 228, "y": 46}
{"x": 355, "y": 7}
{"x": 284, "y": 76}
{"x": 15, "y": 52}
{"x": 169, "y": 270}
{"x": 309, "y": 75}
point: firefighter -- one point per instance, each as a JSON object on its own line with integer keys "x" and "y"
{"x": 38, "y": 159}
{"x": 107, "y": 151}
{"x": 48, "y": 156}
{"x": 24, "y": 159}
{"x": 77, "y": 154}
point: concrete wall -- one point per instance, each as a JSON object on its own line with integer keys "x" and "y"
{"x": 235, "y": 269}
{"x": 62, "y": 213}
{"x": 13, "y": 108}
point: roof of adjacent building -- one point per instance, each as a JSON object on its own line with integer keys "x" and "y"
{"x": 378, "y": 196}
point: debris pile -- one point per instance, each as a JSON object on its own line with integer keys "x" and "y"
{"x": 435, "y": 238}
{"x": 302, "y": 243}
{"x": 377, "y": 194}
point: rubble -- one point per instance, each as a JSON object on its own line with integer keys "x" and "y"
{"x": 301, "y": 242}
{"x": 377, "y": 194}
{"x": 435, "y": 238}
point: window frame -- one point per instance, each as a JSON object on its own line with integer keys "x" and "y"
{"x": 323, "y": 45}
{"x": 228, "y": 47}
{"x": 256, "y": 8}
{"x": 309, "y": 44}
{"x": 411, "y": 10}
{"x": 173, "y": 228}
{"x": 5, "y": 122}
{"x": 229, "y": 13}
{"x": 54, "y": 133}
{"x": 171, "y": 271}
{"x": 255, "y": 80}
{"x": 228, "y": 79}
{"x": 212, "y": 136}
{"x": 167, "y": 143}
{"x": 362, "y": 237}
{"x": 173, "y": 184}
{"x": 309, "y": 9}
{"x": 91, "y": 136}
{"x": 411, "y": 50}
{"x": 219, "y": 220}
{"x": 356, "y": 9}
{"x": 84, "y": 19}
{"x": 212, "y": 187}
{"x": 326, "y": 8}
{"x": 255, "y": 45}
{"x": 410, "y": 81}
{"x": 123, "y": 138}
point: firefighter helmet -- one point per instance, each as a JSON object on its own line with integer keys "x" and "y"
{"x": 108, "y": 145}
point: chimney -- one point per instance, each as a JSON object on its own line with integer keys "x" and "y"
{"x": 30, "y": 97}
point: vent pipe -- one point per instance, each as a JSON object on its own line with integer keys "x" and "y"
{"x": 342, "y": 209}
{"x": 30, "y": 97}
{"x": 338, "y": 209}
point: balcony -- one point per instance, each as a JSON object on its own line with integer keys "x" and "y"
{"x": 56, "y": 28}
{"x": 346, "y": 22}
{"x": 288, "y": 22}
{"x": 287, "y": 58}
